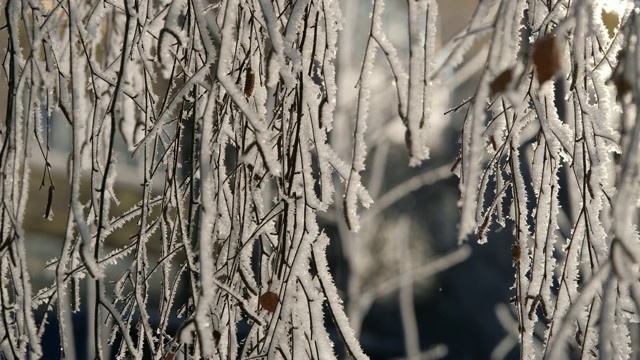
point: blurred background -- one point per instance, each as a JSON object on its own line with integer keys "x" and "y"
{"x": 396, "y": 295}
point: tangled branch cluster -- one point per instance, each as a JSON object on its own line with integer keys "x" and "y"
{"x": 227, "y": 106}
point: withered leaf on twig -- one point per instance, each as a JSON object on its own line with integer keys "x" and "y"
{"x": 610, "y": 20}
{"x": 546, "y": 58}
{"x": 500, "y": 83}
{"x": 623, "y": 86}
{"x": 269, "y": 301}
{"x": 249, "y": 83}
{"x": 516, "y": 252}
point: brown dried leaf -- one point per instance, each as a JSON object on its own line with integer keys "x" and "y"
{"x": 48, "y": 214}
{"x": 269, "y": 301}
{"x": 623, "y": 86}
{"x": 500, "y": 83}
{"x": 546, "y": 58}
{"x": 516, "y": 252}
{"x": 249, "y": 83}
{"x": 611, "y": 20}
